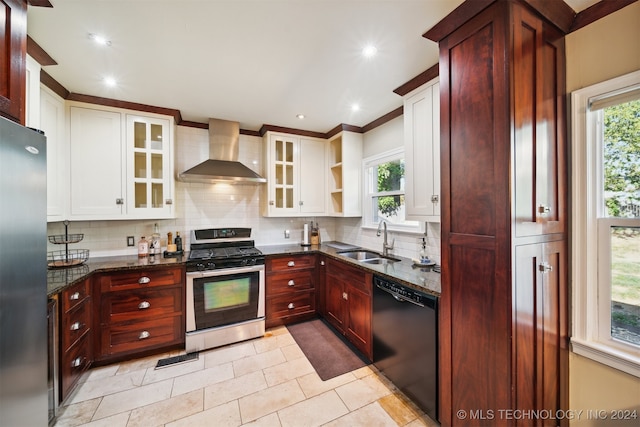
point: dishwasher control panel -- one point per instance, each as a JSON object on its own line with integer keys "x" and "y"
{"x": 404, "y": 292}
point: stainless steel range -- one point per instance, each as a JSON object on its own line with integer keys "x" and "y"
{"x": 225, "y": 288}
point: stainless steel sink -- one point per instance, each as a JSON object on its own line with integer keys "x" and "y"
{"x": 360, "y": 255}
{"x": 380, "y": 260}
{"x": 368, "y": 257}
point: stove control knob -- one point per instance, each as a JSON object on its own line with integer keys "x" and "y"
{"x": 211, "y": 266}
{"x": 200, "y": 266}
{"x": 244, "y": 262}
{"x": 251, "y": 261}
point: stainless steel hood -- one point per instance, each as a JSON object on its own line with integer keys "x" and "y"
{"x": 222, "y": 165}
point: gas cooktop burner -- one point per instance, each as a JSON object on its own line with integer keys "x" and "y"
{"x": 224, "y": 252}
{"x": 217, "y": 248}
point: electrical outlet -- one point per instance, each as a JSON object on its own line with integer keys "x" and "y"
{"x": 130, "y": 241}
{"x": 287, "y": 234}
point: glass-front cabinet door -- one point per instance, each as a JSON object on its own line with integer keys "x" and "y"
{"x": 150, "y": 178}
{"x": 283, "y": 191}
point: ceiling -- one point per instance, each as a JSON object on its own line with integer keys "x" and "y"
{"x": 252, "y": 61}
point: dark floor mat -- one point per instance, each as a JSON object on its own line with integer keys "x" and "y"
{"x": 328, "y": 353}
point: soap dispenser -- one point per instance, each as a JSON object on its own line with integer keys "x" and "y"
{"x": 422, "y": 255}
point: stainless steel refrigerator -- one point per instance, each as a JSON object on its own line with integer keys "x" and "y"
{"x": 23, "y": 276}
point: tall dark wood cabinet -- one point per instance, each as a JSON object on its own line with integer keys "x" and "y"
{"x": 503, "y": 309}
{"x": 13, "y": 54}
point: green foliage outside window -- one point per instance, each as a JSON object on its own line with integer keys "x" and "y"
{"x": 390, "y": 175}
{"x": 622, "y": 159}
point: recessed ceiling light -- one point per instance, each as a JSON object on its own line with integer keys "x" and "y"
{"x": 99, "y": 39}
{"x": 300, "y": 116}
{"x": 369, "y": 51}
{"x": 355, "y": 107}
{"x": 110, "y": 81}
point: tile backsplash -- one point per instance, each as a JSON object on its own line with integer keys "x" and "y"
{"x": 222, "y": 205}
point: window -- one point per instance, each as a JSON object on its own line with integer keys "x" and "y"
{"x": 384, "y": 192}
{"x": 606, "y": 226}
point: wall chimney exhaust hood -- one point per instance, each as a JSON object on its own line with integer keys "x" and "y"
{"x": 222, "y": 165}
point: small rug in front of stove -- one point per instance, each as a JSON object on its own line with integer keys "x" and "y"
{"x": 328, "y": 353}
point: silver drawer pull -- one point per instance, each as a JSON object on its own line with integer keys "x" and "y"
{"x": 544, "y": 209}
{"x": 74, "y": 296}
{"x": 345, "y": 296}
{"x": 75, "y": 326}
{"x": 291, "y": 306}
{"x": 144, "y": 304}
{"x": 77, "y": 362}
{"x": 291, "y": 264}
{"x": 144, "y": 280}
{"x": 291, "y": 283}
{"x": 144, "y": 335}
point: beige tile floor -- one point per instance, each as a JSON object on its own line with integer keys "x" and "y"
{"x": 262, "y": 382}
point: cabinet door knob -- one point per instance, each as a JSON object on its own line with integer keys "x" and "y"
{"x": 74, "y": 296}
{"x": 291, "y": 264}
{"x": 321, "y": 262}
{"x": 119, "y": 201}
{"x": 291, "y": 283}
{"x": 301, "y": 203}
{"x": 544, "y": 267}
{"x": 144, "y": 304}
{"x": 75, "y": 326}
{"x": 143, "y": 335}
{"x": 345, "y": 296}
{"x": 291, "y": 306}
{"x": 435, "y": 198}
{"x": 168, "y": 202}
{"x": 77, "y": 362}
{"x": 271, "y": 203}
{"x": 544, "y": 209}
{"x": 144, "y": 280}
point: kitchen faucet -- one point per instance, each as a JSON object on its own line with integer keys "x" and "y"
{"x": 385, "y": 246}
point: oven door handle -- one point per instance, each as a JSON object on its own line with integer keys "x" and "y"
{"x": 225, "y": 271}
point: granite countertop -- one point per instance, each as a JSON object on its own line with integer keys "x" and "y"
{"x": 60, "y": 278}
{"x": 404, "y": 272}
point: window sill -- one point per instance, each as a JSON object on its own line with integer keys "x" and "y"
{"x": 624, "y": 361}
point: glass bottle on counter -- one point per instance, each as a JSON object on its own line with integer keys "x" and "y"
{"x": 154, "y": 247}
{"x": 143, "y": 247}
{"x": 178, "y": 242}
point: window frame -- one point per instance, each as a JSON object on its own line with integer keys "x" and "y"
{"x": 590, "y": 271}
{"x": 367, "y": 194}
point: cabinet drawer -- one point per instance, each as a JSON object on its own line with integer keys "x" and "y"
{"x": 284, "y": 306}
{"x": 74, "y": 362}
{"x": 138, "y": 336}
{"x": 137, "y": 279}
{"x": 143, "y": 303}
{"x": 290, "y": 262}
{"x": 290, "y": 281}
{"x": 75, "y": 324}
{"x": 75, "y": 295}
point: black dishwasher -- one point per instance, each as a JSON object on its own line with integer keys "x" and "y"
{"x": 405, "y": 341}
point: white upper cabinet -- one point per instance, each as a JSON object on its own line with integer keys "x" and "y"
{"x": 149, "y": 167}
{"x": 296, "y": 183}
{"x": 121, "y": 164}
{"x": 422, "y": 152}
{"x": 345, "y": 174}
{"x": 52, "y": 122}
